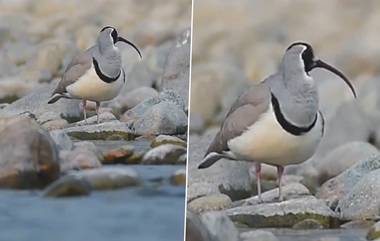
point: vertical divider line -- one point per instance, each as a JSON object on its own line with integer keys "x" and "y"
{"x": 188, "y": 116}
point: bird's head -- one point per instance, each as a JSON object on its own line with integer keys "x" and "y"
{"x": 305, "y": 57}
{"x": 108, "y": 36}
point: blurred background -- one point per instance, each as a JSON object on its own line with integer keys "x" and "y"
{"x": 38, "y": 39}
{"x": 239, "y": 43}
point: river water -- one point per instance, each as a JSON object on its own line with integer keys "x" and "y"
{"x": 154, "y": 211}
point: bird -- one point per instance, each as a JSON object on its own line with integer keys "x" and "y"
{"x": 95, "y": 74}
{"x": 277, "y": 121}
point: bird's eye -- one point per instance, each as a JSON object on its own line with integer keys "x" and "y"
{"x": 114, "y": 36}
{"x": 308, "y": 58}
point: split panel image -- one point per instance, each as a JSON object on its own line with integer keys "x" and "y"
{"x": 284, "y": 120}
{"x": 93, "y": 119}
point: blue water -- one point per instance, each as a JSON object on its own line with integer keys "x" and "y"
{"x": 151, "y": 212}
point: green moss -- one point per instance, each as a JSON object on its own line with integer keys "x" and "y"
{"x": 283, "y": 221}
{"x": 102, "y": 135}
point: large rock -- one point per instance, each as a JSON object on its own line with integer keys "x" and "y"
{"x": 28, "y": 156}
{"x": 36, "y": 103}
{"x": 195, "y": 229}
{"x": 336, "y": 188}
{"x": 363, "y": 200}
{"x": 343, "y": 157}
{"x": 284, "y": 214}
{"x": 228, "y": 177}
{"x": 159, "y": 115}
{"x": 220, "y": 226}
{"x": 129, "y": 100}
{"x": 177, "y": 68}
{"x": 103, "y": 131}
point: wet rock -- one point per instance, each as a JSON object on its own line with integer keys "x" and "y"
{"x": 336, "y": 188}
{"x": 36, "y": 103}
{"x": 363, "y": 199}
{"x": 131, "y": 99}
{"x": 177, "y": 68}
{"x": 195, "y": 229}
{"x": 214, "y": 202}
{"x": 110, "y": 177}
{"x": 162, "y": 118}
{"x": 374, "y": 232}
{"x": 183, "y": 159}
{"x": 220, "y": 226}
{"x": 229, "y": 177}
{"x": 343, "y": 157}
{"x": 308, "y": 224}
{"x": 62, "y": 140}
{"x": 103, "y": 131}
{"x": 258, "y": 235}
{"x": 164, "y": 154}
{"x": 28, "y": 156}
{"x": 166, "y": 139}
{"x": 284, "y": 214}
{"x": 358, "y": 224}
{"x": 179, "y": 178}
{"x": 118, "y": 155}
{"x": 79, "y": 158}
{"x": 289, "y": 191}
{"x": 68, "y": 186}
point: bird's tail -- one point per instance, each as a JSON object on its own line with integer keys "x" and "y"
{"x": 210, "y": 159}
{"x": 54, "y": 98}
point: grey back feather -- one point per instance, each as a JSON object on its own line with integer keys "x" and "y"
{"x": 246, "y": 110}
{"x": 79, "y": 65}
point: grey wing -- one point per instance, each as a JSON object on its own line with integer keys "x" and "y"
{"x": 246, "y": 110}
{"x": 77, "y": 68}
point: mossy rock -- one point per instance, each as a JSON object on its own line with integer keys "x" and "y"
{"x": 284, "y": 214}
{"x": 105, "y": 131}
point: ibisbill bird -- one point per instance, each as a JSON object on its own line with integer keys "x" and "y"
{"x": 277, "y": 121}
{"x": 95, "y": 74}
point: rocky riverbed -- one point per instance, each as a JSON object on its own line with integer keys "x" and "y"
{"x": 71, "y": 179}
{"x": 328, "y": 196}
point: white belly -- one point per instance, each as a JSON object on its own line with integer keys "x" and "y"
{"x": 91, "y": 87}
{"x": 266, "y": 142}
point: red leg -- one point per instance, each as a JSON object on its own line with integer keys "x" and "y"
{"x": 280, "y": 171}
{"x": 258, "y": 180}
{"x": 84, "y": 110}
{"x": 97, "y": 111}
